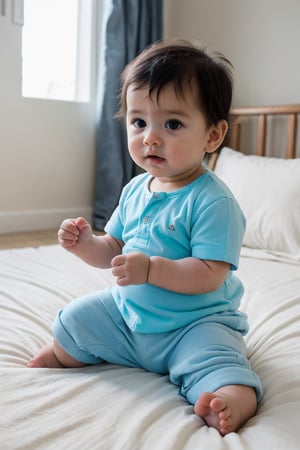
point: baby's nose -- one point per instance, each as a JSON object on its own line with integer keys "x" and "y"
{"x": 152, "y": 137}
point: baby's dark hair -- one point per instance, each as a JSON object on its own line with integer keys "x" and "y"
{"x": 181, "y": 62}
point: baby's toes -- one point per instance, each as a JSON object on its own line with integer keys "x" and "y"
{"x": 218, "y": 405}
{"x": 225, "y": 414}
{"x": 225, "y": 426}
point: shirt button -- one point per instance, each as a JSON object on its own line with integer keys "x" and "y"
{"x": 146, "y": 219}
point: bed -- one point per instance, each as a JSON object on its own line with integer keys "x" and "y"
{"x": 112, "y": 407}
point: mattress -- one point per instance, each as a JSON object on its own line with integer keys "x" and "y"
{"x": 111, "y": 407}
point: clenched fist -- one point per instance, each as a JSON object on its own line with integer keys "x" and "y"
{"x": 132, "y": 268}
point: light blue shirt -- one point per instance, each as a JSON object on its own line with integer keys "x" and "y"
{"x": 202, "y": 220}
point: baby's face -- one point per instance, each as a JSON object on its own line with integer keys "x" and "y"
{"x": 167, "y": 136}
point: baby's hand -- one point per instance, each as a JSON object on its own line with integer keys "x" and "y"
{"x": 74, "y": 234}
{"x": 132, "y": 268}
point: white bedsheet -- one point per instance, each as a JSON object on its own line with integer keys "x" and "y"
{"x": 112, "y": 407}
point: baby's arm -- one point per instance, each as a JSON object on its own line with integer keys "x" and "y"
{"x": 187, "y": 275}
{"x": 76, "y": 236}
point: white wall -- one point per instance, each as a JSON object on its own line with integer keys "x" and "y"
{"x": 47, "y": 149}
{"x": 260, "y": 37}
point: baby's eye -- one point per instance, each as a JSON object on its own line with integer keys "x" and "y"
{"x": 139, "y": 123}
{"x": 173, "y": 124}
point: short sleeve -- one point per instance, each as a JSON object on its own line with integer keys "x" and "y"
{"x": 217, "y": 232}
{"x": 114, "y": 226}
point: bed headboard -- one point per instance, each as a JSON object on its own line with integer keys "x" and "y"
{"x": 263, "y": 113}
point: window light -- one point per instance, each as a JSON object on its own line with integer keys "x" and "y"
{"x": 56, "y": 49}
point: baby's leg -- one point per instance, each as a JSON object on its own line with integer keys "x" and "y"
{"x": 53, "y": 356}
{"x": 228, "y": 408}
{"x": 210, "y": 358}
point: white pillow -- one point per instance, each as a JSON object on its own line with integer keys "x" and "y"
{"x": 268, "y": 191}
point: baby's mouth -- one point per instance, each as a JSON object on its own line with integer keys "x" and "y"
{"x": 154, "y": 158}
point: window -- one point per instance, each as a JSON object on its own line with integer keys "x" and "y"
{"x": 56, "y": 49}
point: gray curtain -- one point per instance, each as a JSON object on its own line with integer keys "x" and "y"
{"x": 130, "y": 25}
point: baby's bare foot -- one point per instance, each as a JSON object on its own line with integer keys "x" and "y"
{"x": 228, "y": 408}
{"x": 45, "y": 358}
{"x": 54, "y": 357}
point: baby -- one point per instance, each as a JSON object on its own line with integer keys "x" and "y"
{"x": 173, "y": 244}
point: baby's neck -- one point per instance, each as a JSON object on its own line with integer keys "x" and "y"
{"x": 171, "y": 184}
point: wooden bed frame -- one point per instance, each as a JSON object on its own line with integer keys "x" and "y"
{"x": 238, "y": 116}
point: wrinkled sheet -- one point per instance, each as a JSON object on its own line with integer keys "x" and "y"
{"x": 112, "y": 407}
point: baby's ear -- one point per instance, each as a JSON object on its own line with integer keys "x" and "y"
{"x": 216, "y": 136}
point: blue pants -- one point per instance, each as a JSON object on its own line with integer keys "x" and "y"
{"x": 202, "y": 356}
